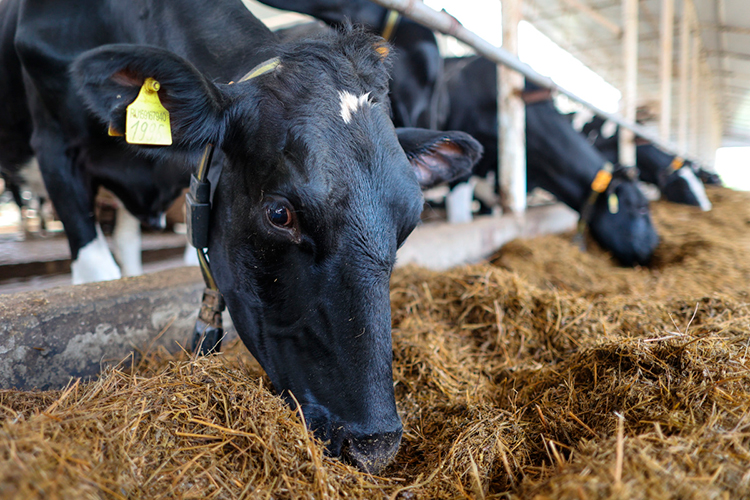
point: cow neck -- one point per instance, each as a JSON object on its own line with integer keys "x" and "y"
{"x": 601, "y": 183}
{"x": 209, "y": 331}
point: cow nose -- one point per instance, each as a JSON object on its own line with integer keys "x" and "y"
{"x": 371, "y": 453}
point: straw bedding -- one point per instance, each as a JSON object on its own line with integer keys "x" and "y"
{"x": 546, "y": 373}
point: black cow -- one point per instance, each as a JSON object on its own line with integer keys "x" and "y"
{"x": 315, "y": 193}
{"x": 559, "y": 159}
{"x": 674, "y": 176}
{"x": 417, "y": 66}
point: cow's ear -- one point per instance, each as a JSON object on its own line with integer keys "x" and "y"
{"x": 110, "y": 77}
{"x": 439, "y": 156}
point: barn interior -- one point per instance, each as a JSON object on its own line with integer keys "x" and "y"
{"x": 526, "y": 365}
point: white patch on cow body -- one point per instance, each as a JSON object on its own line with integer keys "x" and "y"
{"x": 127, "y": 242}
{"x": 608, "y": 129}
{"x": 95, "y": 262}
{"x": 697, "y": 188}
{"x": 581, "y": 118}
{"x": 351, "y": 103}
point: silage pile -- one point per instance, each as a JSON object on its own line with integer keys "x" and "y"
{"x": 547, "y": 374}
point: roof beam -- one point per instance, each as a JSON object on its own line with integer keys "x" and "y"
{"x": 729, "y": 54}
{"x": 724, "y": 28}
{"x": 596, "y": 16}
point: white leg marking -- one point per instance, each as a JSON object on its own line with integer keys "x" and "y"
{"x": 484, "y": 190}
{"x": 191, "y": 256}
{"x": 696, "y": 186}
{"x": 127, "y": 242}
{"x": 95, "y": 262}
{"x": 350, "y": 104}
{"x": 458, "y": 203}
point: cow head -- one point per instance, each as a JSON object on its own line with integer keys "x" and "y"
{"x": 561, "y": 161}
{"x": 677, "y": 184}
{"x": 315, "y": 196}
{"x": 676, "y": 180}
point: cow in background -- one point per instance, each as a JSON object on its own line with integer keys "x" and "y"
{"x": 313, "y": 189}
{"x": 559, "y": 159}
{"x": 674, "y": 176}
{"x": 417, "y": 67}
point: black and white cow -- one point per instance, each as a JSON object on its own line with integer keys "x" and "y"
{"x": 315, "y": 192}
{"x": 674, "y": 176}
{"x": 417, "y": 66}
{"x": 559, "y": 159}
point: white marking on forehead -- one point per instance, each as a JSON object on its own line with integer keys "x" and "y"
{"x": 350, "y": 103}
{"x": 696, "y": 186}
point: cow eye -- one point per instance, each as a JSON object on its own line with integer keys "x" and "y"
{"x": 279, "y": 215}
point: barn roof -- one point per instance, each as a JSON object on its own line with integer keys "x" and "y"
{"x": 591, "y": 31}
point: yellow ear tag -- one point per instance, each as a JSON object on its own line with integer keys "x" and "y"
{"x": 146, "y": 120}
{"x": 113, "y": 132}
{"x": 614, "y": 203}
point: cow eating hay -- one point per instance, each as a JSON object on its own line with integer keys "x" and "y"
{"x": 509, "y": 382}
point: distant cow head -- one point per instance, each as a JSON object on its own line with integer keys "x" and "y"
{"x": 315, "y": 196}
{"x": 677, "y": 184}
{"x": 562, "y": 161}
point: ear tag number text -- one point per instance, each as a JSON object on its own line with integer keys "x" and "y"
{"x": 146, "y": 120}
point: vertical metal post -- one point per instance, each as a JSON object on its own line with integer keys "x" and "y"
{"x": 630, "y": 94}
{"x": 682, "y": 126}
{"x": 695, "y": 85}
{"x": 665, "y": 70}
{"x": 511, "y": 118}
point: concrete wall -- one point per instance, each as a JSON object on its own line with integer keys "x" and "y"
{"x": 47, "y": 337}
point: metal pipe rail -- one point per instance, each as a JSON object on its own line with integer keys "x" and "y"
{"x": 448, "y": 25}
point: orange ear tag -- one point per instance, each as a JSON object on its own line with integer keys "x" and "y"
{"x": 601, "y": 181}
{"x": 146, "y": 120}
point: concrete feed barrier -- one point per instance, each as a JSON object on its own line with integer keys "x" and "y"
{"x": 47, "y": 337}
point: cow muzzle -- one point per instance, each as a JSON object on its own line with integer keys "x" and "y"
{"x": 369, "y": 448}
{"x": 371, "y": 453}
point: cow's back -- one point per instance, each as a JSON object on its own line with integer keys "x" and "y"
{"x": 219, "y": 37}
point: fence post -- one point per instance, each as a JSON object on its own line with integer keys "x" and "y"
{"x": 629, "y": 96}
{"x": 511, "y": 118}
{"x": 665, "y": 72}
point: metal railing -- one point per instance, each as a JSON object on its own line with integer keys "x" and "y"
{"x": 448, "y": 25}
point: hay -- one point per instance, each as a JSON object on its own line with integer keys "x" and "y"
{"x": 550, "y": 374}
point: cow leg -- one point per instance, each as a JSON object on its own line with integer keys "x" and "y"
{"x": 190, "y": 258}
{"x": 127, "y": 240}
{"x": 42, "y": 215}
{"x": 95, "y": 261}
{"x": 73, "y": 200}
{"x": 458, "y": 203}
